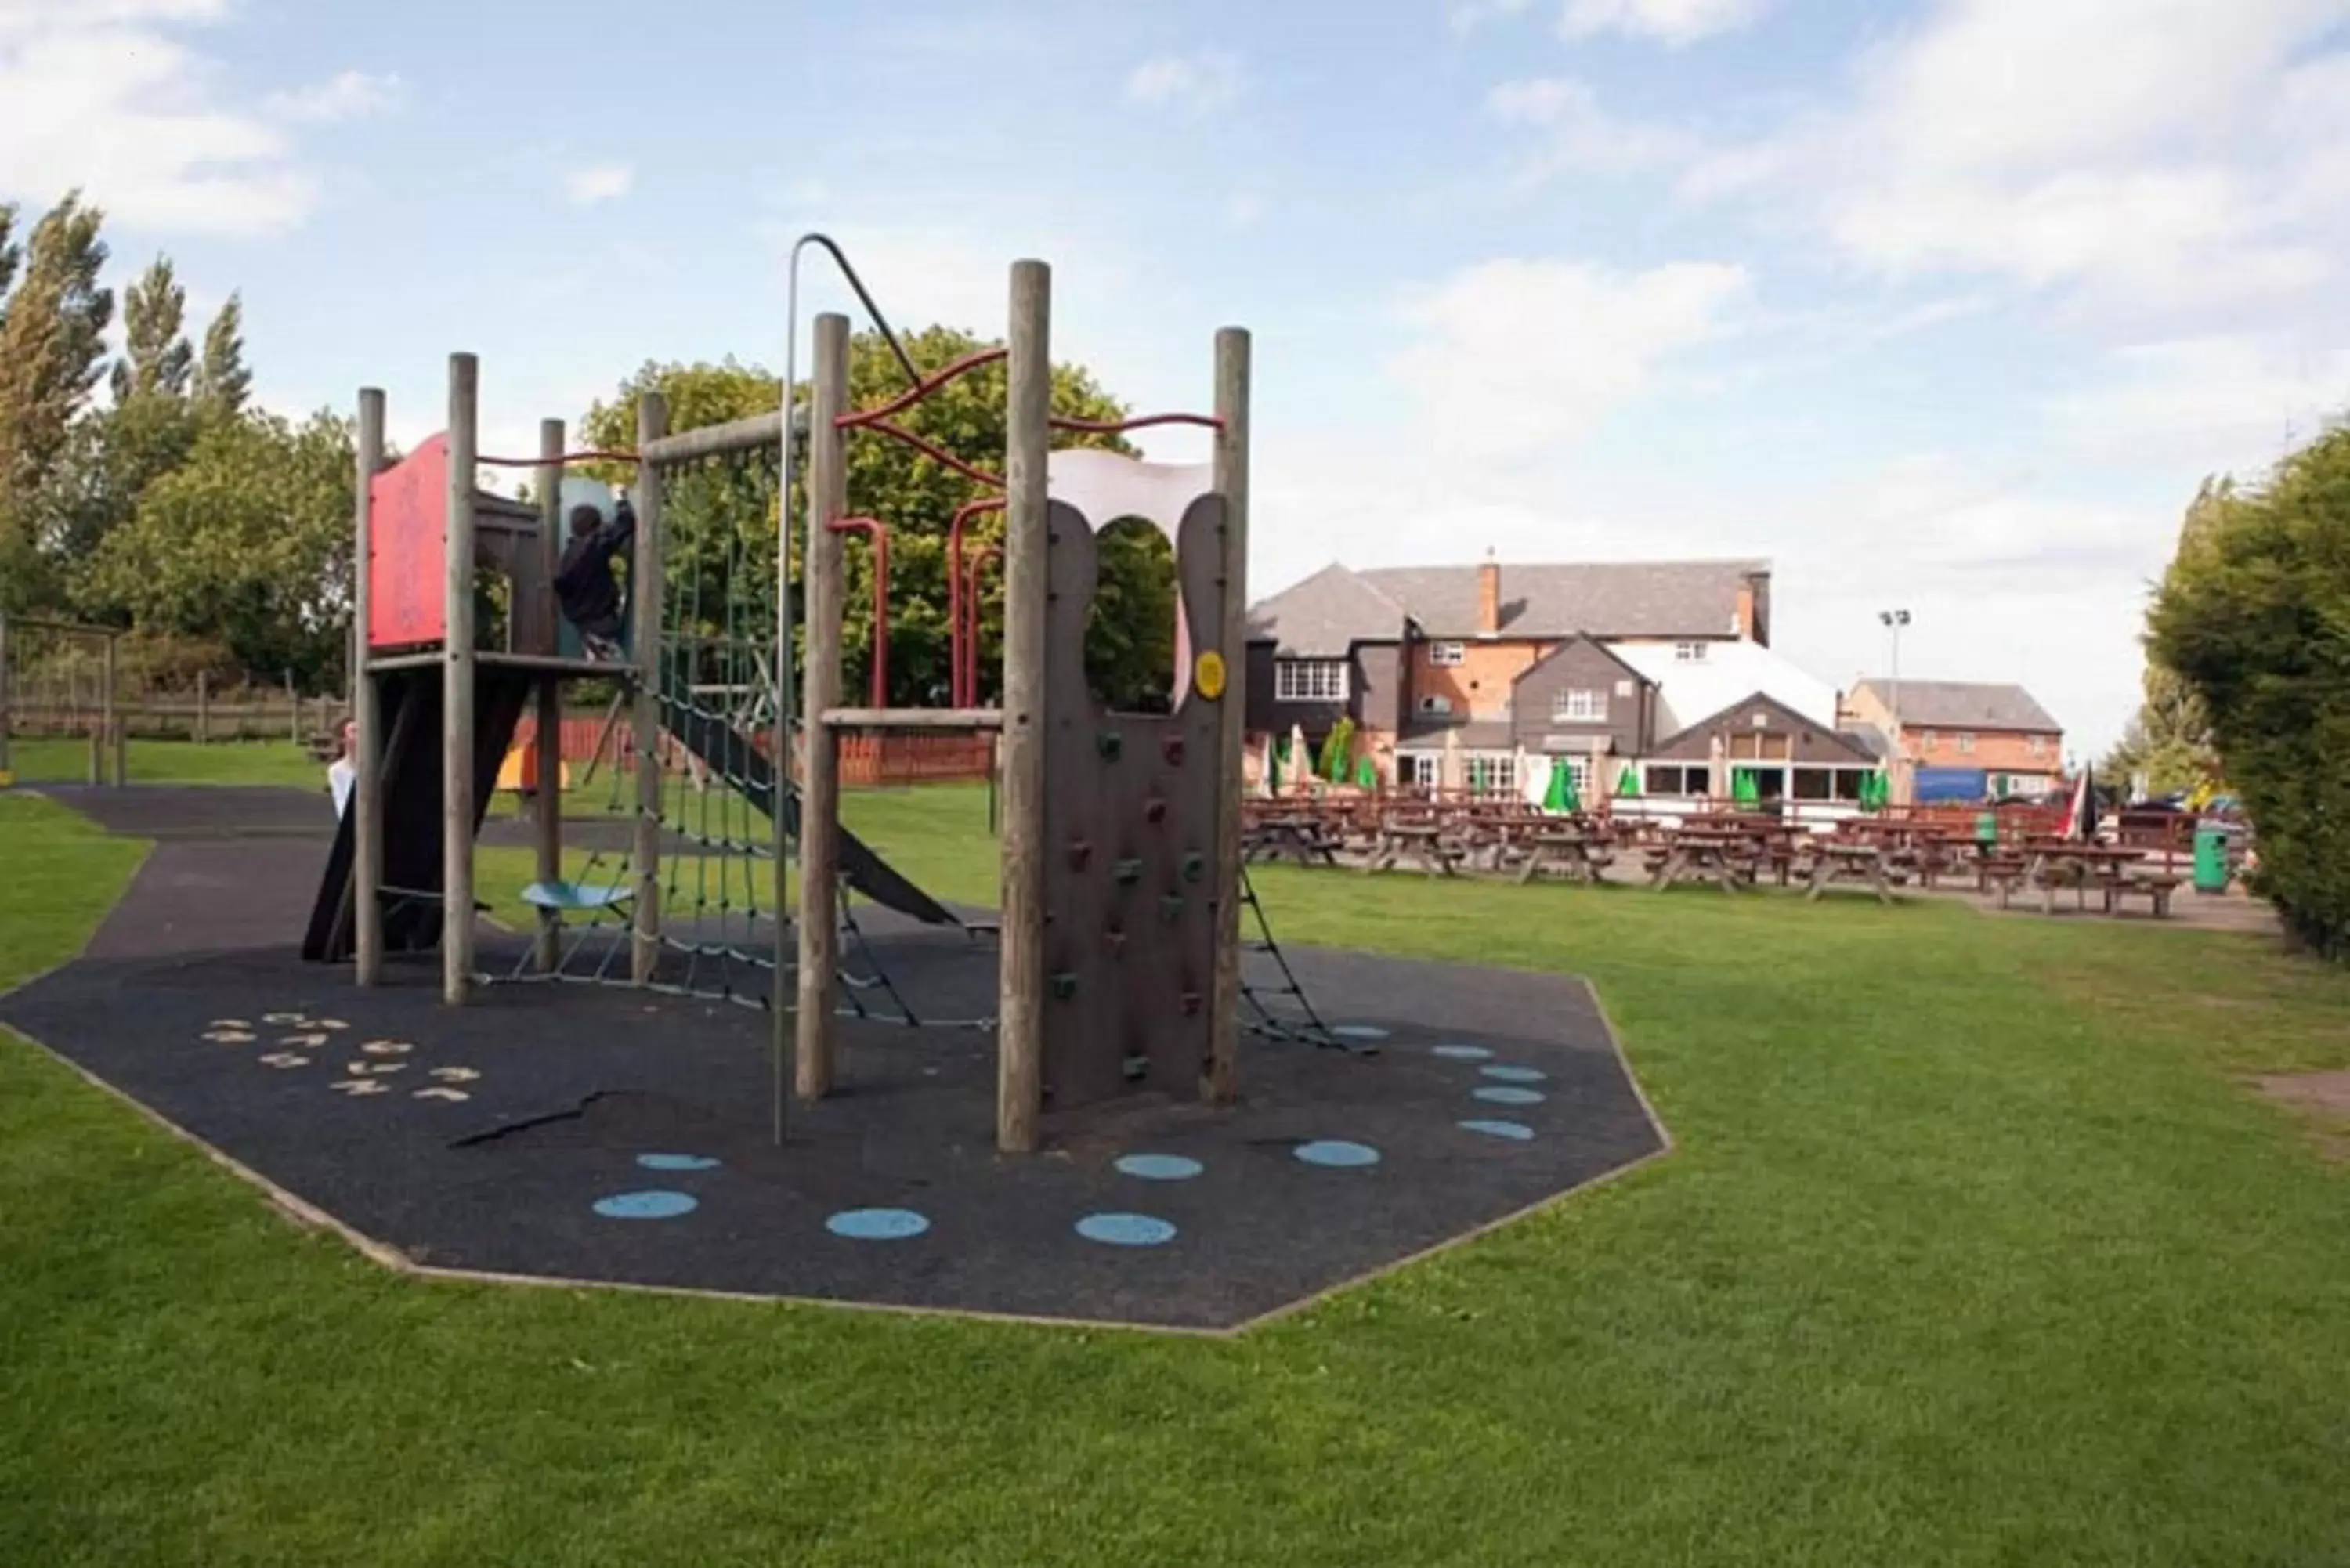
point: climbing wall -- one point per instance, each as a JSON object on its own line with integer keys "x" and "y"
{"x": 1130, "y": 803}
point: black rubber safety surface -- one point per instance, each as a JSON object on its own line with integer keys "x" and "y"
{"x": 597, "y": 1133}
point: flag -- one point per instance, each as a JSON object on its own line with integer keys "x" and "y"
{"x": 2081, "y": 811}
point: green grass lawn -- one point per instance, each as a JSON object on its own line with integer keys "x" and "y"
{"x": 174, "y": 762}
{"x": 1973, "y": 1251}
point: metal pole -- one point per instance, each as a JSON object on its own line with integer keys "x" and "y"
{"x": 457, "y": 670}
{"x": 205, "y": 682}
{"x": 367, "y": 712}
{"x": 546, "y": 750}
{"x": 819, "y": 931}
{"x": 1020, "y": 1039}
{"x": 645, "y": 607}
{"x": 1220, "y": 1082}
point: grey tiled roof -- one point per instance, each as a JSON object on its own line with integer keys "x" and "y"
{"x": 1327, "y": 614}
{"x": 1607, "y": 599}
{"x": 1964, "y": 705}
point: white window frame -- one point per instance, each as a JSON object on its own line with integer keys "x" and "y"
{"x": 2039, "y": 745}
{"x": 1311, "y": 681}
{"x": 1446, "y": 655}
{"x": 1427, "y": 771}
{"x": 1434, "y": 704}
{"x": 1578, "y": 705}
{"x": 1689, "y": 652}
{"x": 1966, "y": 742}
{"x": 1499, "y": 769}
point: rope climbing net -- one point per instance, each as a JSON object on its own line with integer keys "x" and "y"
{"x": 716, "y": 694}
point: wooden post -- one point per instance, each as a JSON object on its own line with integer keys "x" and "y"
{"x": 645, "y": 607}
{"x": 293, "y": 710}
{"x": 1020, "y": 1028}
{"x": 1221, "y": 1083}
{"x": 366, "y": 715}
{"x": 826, "y": 600}
{"x": 457, "y": 668}
{"x": 109, "y": 718}
{"x": 547, "y": 749}
{"x": 204, "y": 689}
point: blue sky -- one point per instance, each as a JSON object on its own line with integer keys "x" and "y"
{"x": 1945, "y": 306}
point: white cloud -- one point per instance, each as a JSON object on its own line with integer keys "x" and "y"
{"x": 1244, "y": 210}
{"x": 1467, "y": 15}
{"x": 598, "y": 182}
{"x": 2218, "y": 402}
{"x": 2190, "y": 161}
{"x": 1518, "y": 356}
{"x": 103, "y": 95}
{"x": 348, "y": 95}
{"x": 1195, "y": 84}
{"x": 1576, "y": 134}
{"x": 1673, "y": 23}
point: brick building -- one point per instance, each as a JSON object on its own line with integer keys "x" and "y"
{"x": 1998, "y": 730}
{"x": 1656, "y": 667}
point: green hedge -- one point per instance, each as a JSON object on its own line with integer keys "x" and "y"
{"x": 2255, "y": 615}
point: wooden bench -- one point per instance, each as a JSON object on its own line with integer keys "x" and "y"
{"x": 2155, "y": 889}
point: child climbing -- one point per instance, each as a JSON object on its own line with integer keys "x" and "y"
{"x": 584, "y": 584}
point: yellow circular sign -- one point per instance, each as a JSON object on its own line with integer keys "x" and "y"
{"x": 1208, "y": 675}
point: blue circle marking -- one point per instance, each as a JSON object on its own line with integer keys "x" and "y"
{"x": 1504, "y": 1095}
{"x": 877, "y": 1224}
{"x": 1160, "y": 1167}
{"x": 1126, "y": 1229}
{"x": 1514, "y": 1074}
{"x": 647, "y": 1205}
{"x": 1337, "y": 1154}
{"x": 1516, "y": 1132}
{"x": 677, "y": 1162}
{"x": 1358, "y": 1032}
{"x": 1460, "y": 1053}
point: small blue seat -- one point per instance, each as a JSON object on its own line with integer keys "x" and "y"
{"x": 574, "y": 896}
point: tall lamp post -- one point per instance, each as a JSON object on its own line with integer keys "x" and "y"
{"x": 1893, "y": 621}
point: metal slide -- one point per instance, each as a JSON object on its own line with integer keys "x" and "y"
{"x": 729, "y": 752}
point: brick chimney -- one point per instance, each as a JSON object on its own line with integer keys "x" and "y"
{"x": 1488, "y": 596}
{"x": 1743, "y": 617}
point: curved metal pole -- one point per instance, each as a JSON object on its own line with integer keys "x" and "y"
{"x": 786, "y": 684}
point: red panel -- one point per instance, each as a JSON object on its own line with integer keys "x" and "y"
{"x": 408, "y": 535}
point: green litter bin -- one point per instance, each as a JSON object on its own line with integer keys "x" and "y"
{"x": 2211, "y": 859}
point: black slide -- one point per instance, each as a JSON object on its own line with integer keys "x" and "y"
{"x": 729, "y": 752}
{"x": 410, "y": 704}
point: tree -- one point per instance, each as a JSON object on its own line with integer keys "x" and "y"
{"x": 2169, "y": 739}
{"x": 52, "y": 351}
{"x": 247, "y": 543}
{"x": 721, "y": 517}
{"x": 156, "y": 360}
{"x": 221, "y": 380}
{"x": 2254, "y": 617}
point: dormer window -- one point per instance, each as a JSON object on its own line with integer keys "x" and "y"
{"x": 1689, "y": 652}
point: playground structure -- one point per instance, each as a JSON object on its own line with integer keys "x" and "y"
{"x": 1120, "y": 952}
{"x": 68, "y": 674}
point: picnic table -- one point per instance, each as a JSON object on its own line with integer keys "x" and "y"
{"x": 1302, "y": 836}
{"x": 1425, "y": 841}
{"x": 2053, "y": 863}
{"x": 1860, "y": 860}
{"x": 1688, "y": 854}
{"x": 1575, "y": 852}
